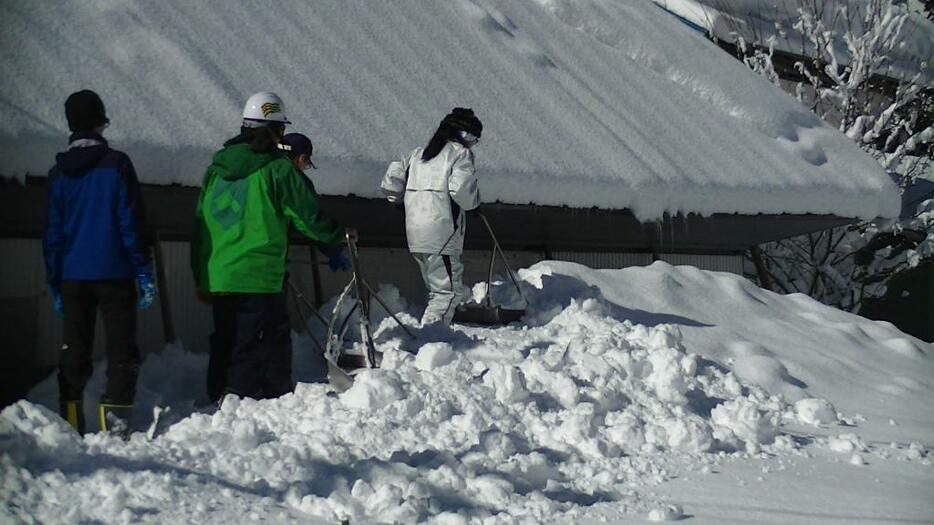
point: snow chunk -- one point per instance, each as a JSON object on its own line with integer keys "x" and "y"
{"x": 667, "y": 377}
{"x": 846, "y": 443}
{"x": 688, "y": 434}
{"x": 373, "y": 390}
{"x": 449, "y": 518}
{"x": 857, "y": 459}
{"x": 742, "y": 421}
{"x": 816, "y": 412}
{"x": 508, "y": 382}
{"x": 666, "y": 513}
{"x": 434, "y": 355}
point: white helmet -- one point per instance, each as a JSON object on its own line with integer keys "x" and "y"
{"x": 262, "y": 108}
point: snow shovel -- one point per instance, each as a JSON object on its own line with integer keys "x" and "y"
{"x": 338, "y": 378}
{"x": 334, "y": 348}
{"x": 486, "y": 313}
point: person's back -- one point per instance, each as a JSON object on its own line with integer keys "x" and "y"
{"x": 248, "y": 200}
{"x": 95, "y": 201}
{"x": 436, "y": 194}
{"x": 95, "y": 255}
{"x": 437, "y": 185}
{"x": 250, "y": 195}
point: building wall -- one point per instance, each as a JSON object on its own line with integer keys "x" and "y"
{"x": 607, "y": 260}
{"x": 32, "y": 333}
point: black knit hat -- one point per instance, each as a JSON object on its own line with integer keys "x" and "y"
{"x": 463, "y": 119}
{"x": 85, "y": 111}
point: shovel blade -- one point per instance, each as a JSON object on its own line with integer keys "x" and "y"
{"x": 340, "y": 380}
{"x": 486, "y": 315}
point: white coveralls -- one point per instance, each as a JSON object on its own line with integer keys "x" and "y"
{"x": 436, "y": 194}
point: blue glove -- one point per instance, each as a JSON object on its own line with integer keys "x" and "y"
{"x": 58, "y": 305}
{"x": 339, "y": 262}
{"x": 147, "y": 290}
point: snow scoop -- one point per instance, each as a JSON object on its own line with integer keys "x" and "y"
{"x": 486, "y": 313}
{"x": 359, "y": 291}
{"x": 338, "y": 378}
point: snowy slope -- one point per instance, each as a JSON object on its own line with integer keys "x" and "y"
{"x": 621, "y": 395}
{"x": 585, "y": 102}
{"x": 788, "y": 344}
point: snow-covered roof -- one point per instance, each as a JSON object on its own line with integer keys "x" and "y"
{"x": 584, "y": 103}
{"x": 757, "y": 21}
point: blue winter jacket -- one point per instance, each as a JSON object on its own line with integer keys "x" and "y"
{"x": 95, "y": 216}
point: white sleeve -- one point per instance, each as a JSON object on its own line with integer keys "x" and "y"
{"x": 393, "y": 184}
{"x": 462, "y": 184}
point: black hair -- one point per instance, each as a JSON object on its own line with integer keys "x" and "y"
{"x": 457, "y": 121}
{"x": 264, "y": 139}
{"x": 442, "y": 136}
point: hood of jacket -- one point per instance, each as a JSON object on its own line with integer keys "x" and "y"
{"x": 238, "y": 161}
{"x": 79, "y": 160}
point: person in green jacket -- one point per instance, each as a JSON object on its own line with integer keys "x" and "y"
{"x": 250, "y": 194}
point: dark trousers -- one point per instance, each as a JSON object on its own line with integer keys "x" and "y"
{"x": 251, "y": 347}
{"x": 117, "y": 303}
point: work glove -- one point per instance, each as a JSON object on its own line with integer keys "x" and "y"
{"x": 58, "y": 305}
{"x": 339, "y": 262}
{"x": 147, "y": 290}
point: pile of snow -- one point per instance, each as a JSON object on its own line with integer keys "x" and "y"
{"x": 585, "y": 103}
{"x": 789, "y": 345}
{"x": 589, "y": 403}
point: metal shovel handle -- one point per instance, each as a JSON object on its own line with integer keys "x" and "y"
{"x": 499, "y": 249}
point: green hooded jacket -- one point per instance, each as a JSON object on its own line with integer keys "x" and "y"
{"x": 242, "y": 221}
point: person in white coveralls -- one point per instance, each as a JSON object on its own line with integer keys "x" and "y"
{"x": 436, "y": 185}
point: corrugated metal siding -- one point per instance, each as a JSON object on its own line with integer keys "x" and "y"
{"x": 604, "y": 260}
{"x": 191, "y": 318}
{"x": 609, "y": 260}
{"x": 716, "y": 263}
{"x": 22, "y": 267}
{"x": 23, "y": 271}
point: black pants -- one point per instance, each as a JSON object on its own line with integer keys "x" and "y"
{"x": 251, "y": 347}
{"x": 117, "y": 303}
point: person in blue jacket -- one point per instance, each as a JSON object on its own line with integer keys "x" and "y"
{"x": 95, "y": 257}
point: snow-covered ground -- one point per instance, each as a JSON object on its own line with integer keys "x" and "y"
{"x": 585, "y": 102}
{"x": 654, "y": 393}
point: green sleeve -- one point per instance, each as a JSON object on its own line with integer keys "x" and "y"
{"x": 199, "y": 258}
{"x": 296, "y": 196}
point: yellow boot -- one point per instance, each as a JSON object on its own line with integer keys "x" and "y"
{"x": 73, "y": 413}
{"x": 115, "y": 418}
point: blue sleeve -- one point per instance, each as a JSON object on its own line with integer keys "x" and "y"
{"x": 53, "y": 244}
{"x": 132, "y": 218}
